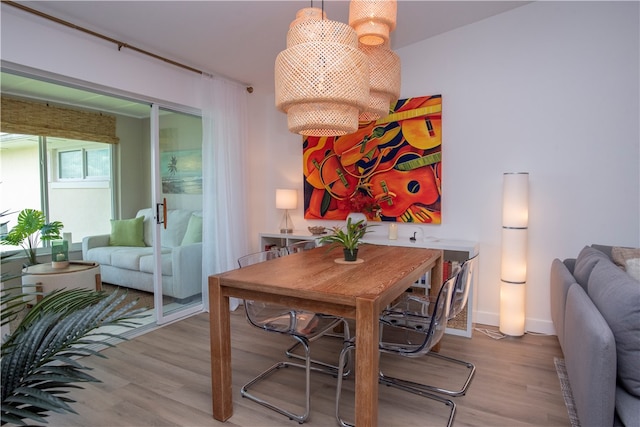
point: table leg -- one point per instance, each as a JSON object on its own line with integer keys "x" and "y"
{"x": 98, "y": 282}
{"x": 367, "y": 363}
{"x": 220, "y": 330}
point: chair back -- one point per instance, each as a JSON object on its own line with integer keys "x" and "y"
{"x": 257, "y": 257}
{"x": 269, "y": 316}
{"x": 304, "y": 245}
{"x": 463, "y": 282}
{"x": 414, "y": 329}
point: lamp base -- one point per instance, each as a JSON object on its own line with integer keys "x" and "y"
{"x": 286, "y": 225}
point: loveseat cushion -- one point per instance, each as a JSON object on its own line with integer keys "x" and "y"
{"x": 147, "y": 263}
{"x": 129, "y": 258}
{"x": 194, "y": 231}
{"x": 617, "y": 297}
{"x": 127, "y": 232}
{"x": 586, "y": 260}
{"x": 627, "y": 407}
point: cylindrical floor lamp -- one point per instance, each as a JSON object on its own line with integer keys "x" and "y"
{"x": 513, "y": 276}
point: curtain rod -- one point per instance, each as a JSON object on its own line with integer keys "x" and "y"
{"x": 109, "y": 39}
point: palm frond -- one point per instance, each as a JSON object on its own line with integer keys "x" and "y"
{"x": 40, "y": 359}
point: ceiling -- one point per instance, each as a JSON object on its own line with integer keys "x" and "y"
{"x": 237, "y": 39}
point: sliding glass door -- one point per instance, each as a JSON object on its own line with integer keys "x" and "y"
{"x": 177, "y": 194}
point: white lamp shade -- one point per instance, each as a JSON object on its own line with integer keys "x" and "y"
{"x": 286, "y": 199}
{"x": 512, "y": 305}
{"x": 514, "y": 255}
{"x": 515, "y": 199}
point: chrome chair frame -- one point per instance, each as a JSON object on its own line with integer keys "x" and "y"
{"x": 463, "y": 283}
{"x": 290, "y": 316}
{"x": 429, "y": 327}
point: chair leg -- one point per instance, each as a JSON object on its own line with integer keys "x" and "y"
{"x": 349, "y": 345}
{"x": 300, "y": 418}
{"x": 329, "y": 368}
{"x": 463, "y": 390}
{"x": 389, "y": 381}
{"x": 392, "y": 382}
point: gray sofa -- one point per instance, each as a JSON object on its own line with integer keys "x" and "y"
{"x": 595, "y": 307}
{"x": 132, "y": 266}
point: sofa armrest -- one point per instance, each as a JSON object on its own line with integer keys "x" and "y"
{"x": 590, "y": 357}
{"x": 560, "y": 281}
{"x": 187, "y": 270}
{"x": 91, "y": 242}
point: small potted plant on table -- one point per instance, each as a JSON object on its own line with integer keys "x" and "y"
{"x": 348, "y": 237}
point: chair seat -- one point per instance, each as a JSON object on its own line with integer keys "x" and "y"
{"x": 277, "y": 318}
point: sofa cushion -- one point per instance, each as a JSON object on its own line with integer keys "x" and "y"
{"x": 617, "y": 297}
{"x": 147, "y": 263}
{"x": 627, "y": 407}
{"x": 590, "y": 354}
{"x": 127, "y": 232}
{"x": 129, "y": 258}
{"x": 177, "y": 221}
{"x": 586, "y": 260}
{"x": 149, "y": 224}
{"x": 194, "y": 231}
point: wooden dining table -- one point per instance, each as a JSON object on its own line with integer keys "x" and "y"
{"x": 315, "y": 280}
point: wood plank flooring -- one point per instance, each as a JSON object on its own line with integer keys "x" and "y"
{"x": 162, "y": 378}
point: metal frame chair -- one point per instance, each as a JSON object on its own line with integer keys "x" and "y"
{"x": 409, "y": 328}
{"x": 463, "y": 283}
{"x": 303, "y": 326}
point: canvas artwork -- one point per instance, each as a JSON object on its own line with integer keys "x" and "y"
{"x": 181, "y": 171}
{"x": 390, "y": 169}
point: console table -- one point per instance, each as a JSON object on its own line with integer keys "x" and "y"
{"x": 454, "y": 252}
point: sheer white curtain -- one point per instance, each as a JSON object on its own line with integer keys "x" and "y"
{"x": 224, "y": 145}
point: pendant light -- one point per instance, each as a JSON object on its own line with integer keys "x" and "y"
{"x": 384, "y": 81}
{"x": 322, "y": 78}
{"x": 373, "y": 20}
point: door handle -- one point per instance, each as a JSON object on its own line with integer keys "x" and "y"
{"x": 164, "y": 213}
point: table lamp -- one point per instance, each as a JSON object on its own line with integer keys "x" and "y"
{"x": 286, "y": 199}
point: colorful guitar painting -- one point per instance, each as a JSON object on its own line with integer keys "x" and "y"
{"x": 394, "y": 162}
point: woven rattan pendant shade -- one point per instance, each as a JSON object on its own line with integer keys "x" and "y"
{"x": 308, "y": 13}
{"x": 322, "y": 78}
{"x": 373, "y": 20}
{"x": 384, "y": 81}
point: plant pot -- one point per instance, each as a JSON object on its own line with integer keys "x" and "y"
{"x": 350, "y": 254}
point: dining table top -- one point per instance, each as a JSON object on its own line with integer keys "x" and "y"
{"x": 321, "y": 275}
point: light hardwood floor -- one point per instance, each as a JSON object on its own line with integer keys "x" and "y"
{"x": 162, "y": 378}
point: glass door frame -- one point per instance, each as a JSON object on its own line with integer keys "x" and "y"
{"x": 157, "y": 200}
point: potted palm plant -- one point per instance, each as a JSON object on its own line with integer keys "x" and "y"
{"x": 349, "y": 237}
{"x": 39, "y": 363}
{"x": 30, "y": 230}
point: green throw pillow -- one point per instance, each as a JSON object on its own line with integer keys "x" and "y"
{"x": 127, "y": 232}
{"x": 194, "y": 231}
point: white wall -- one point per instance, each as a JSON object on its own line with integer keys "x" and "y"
{"x": 550, "y": 88}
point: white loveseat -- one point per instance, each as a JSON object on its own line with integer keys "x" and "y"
{"x": 132, "y": 266}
